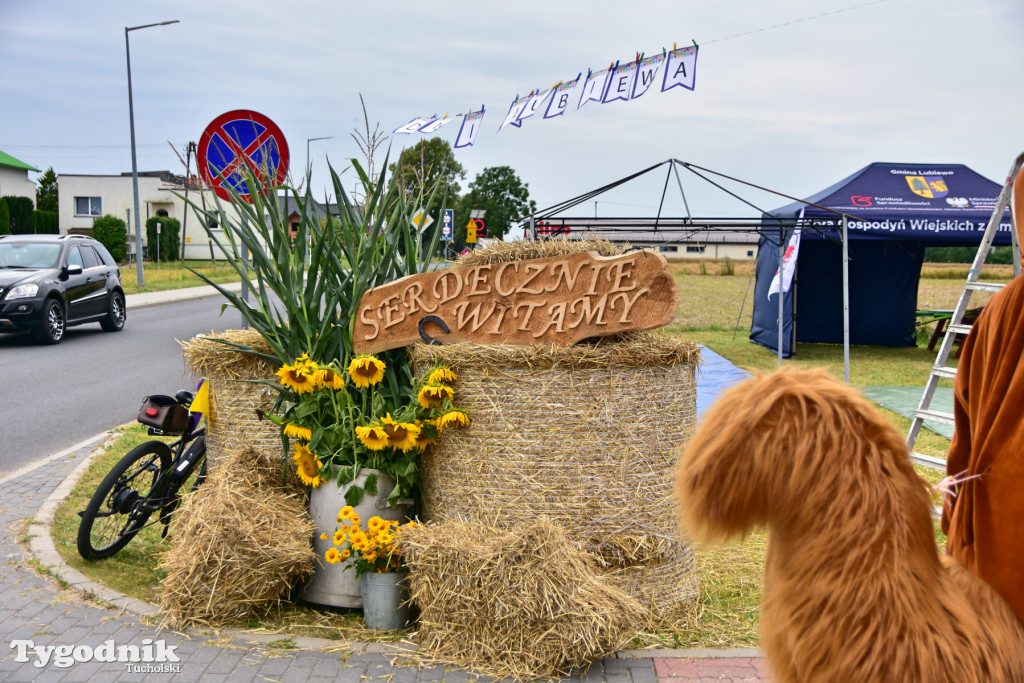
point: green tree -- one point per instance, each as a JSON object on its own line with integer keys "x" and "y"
{"x": 22, "y": 215}
{"x": 46, "y": 193}
{"x": 111, "y": 232}
{"x": 428, "y": 165}
{"x": 500, "y": 192}
{"x": 169, "y": 239}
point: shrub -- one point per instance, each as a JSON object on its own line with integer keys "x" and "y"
{"x": 22, "y": 220}
{"x": 170, "y": 238}
{"x": 5, "y": 218}
{"x": 111, "y": 232}
{"x": 46, "y": 223}
{"x": 728, "y": 267}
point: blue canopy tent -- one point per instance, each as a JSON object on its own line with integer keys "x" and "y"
{"x": 893, "y": 211}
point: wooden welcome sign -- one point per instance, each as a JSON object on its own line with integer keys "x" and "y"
{"x": 559, "y": 300}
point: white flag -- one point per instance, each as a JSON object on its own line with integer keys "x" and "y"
{"x": 593, "y": 86}
{"x": 559, "y": 101}
{"x": 788, "y": 266}
{"x": 517, "y": 107}
{"x": 533, "y": 103}
{"x": 620, "y": 83}
{"x": 468, "y": 130}
{"x": 681, "y": 68}
{"x": 646, "y": 71}
{"x": 413, "y": 125}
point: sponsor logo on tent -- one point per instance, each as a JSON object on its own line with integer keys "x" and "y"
{"x": 958, "y": 202}
{"x": 860, "y": 200}
{"x": 928, "y": 186}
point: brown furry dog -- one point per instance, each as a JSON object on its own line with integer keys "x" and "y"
{"x": 855, "y": 590}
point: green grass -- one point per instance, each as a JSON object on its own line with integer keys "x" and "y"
{"x": 160, "y": 277}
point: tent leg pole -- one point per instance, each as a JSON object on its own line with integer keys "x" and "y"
{"x": 846, "y": 305}
{"x": 782, "y": 294}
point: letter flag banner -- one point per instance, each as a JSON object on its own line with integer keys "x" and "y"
{"x": 681, "y": 68}
{"x": 617, "y": 81}
{"x": 559, "y": 101}
{"x": 620, "y": 84}
{"x": 647, "y": 69}
{"x": 468, "y": 130}
{"x": 788, "y": 265}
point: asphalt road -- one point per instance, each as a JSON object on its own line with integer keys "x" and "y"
{"x": 52, "y": 397}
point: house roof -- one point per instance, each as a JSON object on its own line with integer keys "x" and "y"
{"x": 9, "y": 161}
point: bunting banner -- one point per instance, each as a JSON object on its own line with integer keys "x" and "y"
{"x": 468, "y": 130}
{"x": 593, "y": 87}
{"x": 620, "y": 83}
{"x": 646, "y": 71}
{"x": 559, "y": 101}
{"x": 533, "y": 103}
{"x": 617, "y": 82}
{"x": 681, "y": 68}
{"x": 514, "y": 111}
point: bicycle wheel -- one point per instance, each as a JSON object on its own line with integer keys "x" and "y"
{"x": 116, "y": 512}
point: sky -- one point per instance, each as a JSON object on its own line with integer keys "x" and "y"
{"x": 790, "y": 95}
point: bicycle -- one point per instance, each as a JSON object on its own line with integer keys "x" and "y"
{"x": 147, "y": 479}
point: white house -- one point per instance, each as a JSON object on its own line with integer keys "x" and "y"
{"x": 14, "y": 180}
{"x": 161, "y": 193}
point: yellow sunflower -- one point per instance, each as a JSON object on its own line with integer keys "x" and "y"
{"x": 332, "y": 555}
{"x": 297, "y": 432}
{"x": 433, "y": 395}
{"x": 339, "y": 536}
{"x": 355, "y": 520}
{"x": 345, "y": 554}
{"x": 401, "y": 435}
{"x": 373, "y": 437}
{"x": 366, "y": 371}
{"x": 373, "y": 524}
{"x": 442, "y": 375}
{"x": 329, "y": 379}
{"x": 453, "y": 418}
{"x": 423, "y": 441}
{"x": 345, "y": 513}
{"x": 324, "y": 537}
{"x": 307, "y": 465}
{"x": 298, "y": 378}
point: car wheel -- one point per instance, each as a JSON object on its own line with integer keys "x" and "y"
{"x": 116, "y": 314}
{"x": 52, "y": 325}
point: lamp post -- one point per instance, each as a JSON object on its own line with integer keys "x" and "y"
{"x": 309, "y": 140}
{"x": 135, "y": 167}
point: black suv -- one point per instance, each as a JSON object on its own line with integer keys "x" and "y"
{"x": 50, "y": 282}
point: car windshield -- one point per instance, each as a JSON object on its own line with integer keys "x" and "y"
{"x": 28, "y": 254}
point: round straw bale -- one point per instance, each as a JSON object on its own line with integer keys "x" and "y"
{"x": 585, "y": 435}
{"x": 240, "y": 545}
{"x": 517, "y": 250}
{"x": 237, "y": 398}
{"x": 524, "y": 603}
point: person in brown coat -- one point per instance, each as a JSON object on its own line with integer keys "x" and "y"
{"x": 985, "y": 519}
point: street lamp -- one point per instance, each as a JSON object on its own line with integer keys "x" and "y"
{"x": 309, "y": 140}
{"x": 135, "y": 167}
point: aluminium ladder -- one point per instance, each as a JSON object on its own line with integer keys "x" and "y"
{"x": 956, "y": 325}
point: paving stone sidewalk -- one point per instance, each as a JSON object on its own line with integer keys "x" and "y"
{"x": 38, "y": 609}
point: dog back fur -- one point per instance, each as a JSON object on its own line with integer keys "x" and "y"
{"x": 855, "y": 589}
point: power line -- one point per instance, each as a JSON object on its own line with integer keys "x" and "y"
{"x": 795, "y": 21}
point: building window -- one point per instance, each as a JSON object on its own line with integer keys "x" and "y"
{"x": 668, "y": 248}
{"x": 88, "y": 206}
{"x": 694, "y": 250}
{"x": 750, "y": 253}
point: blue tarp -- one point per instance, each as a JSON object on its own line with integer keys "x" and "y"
{"x": 714, "y": 375}
{"x": 905, "y": 207}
